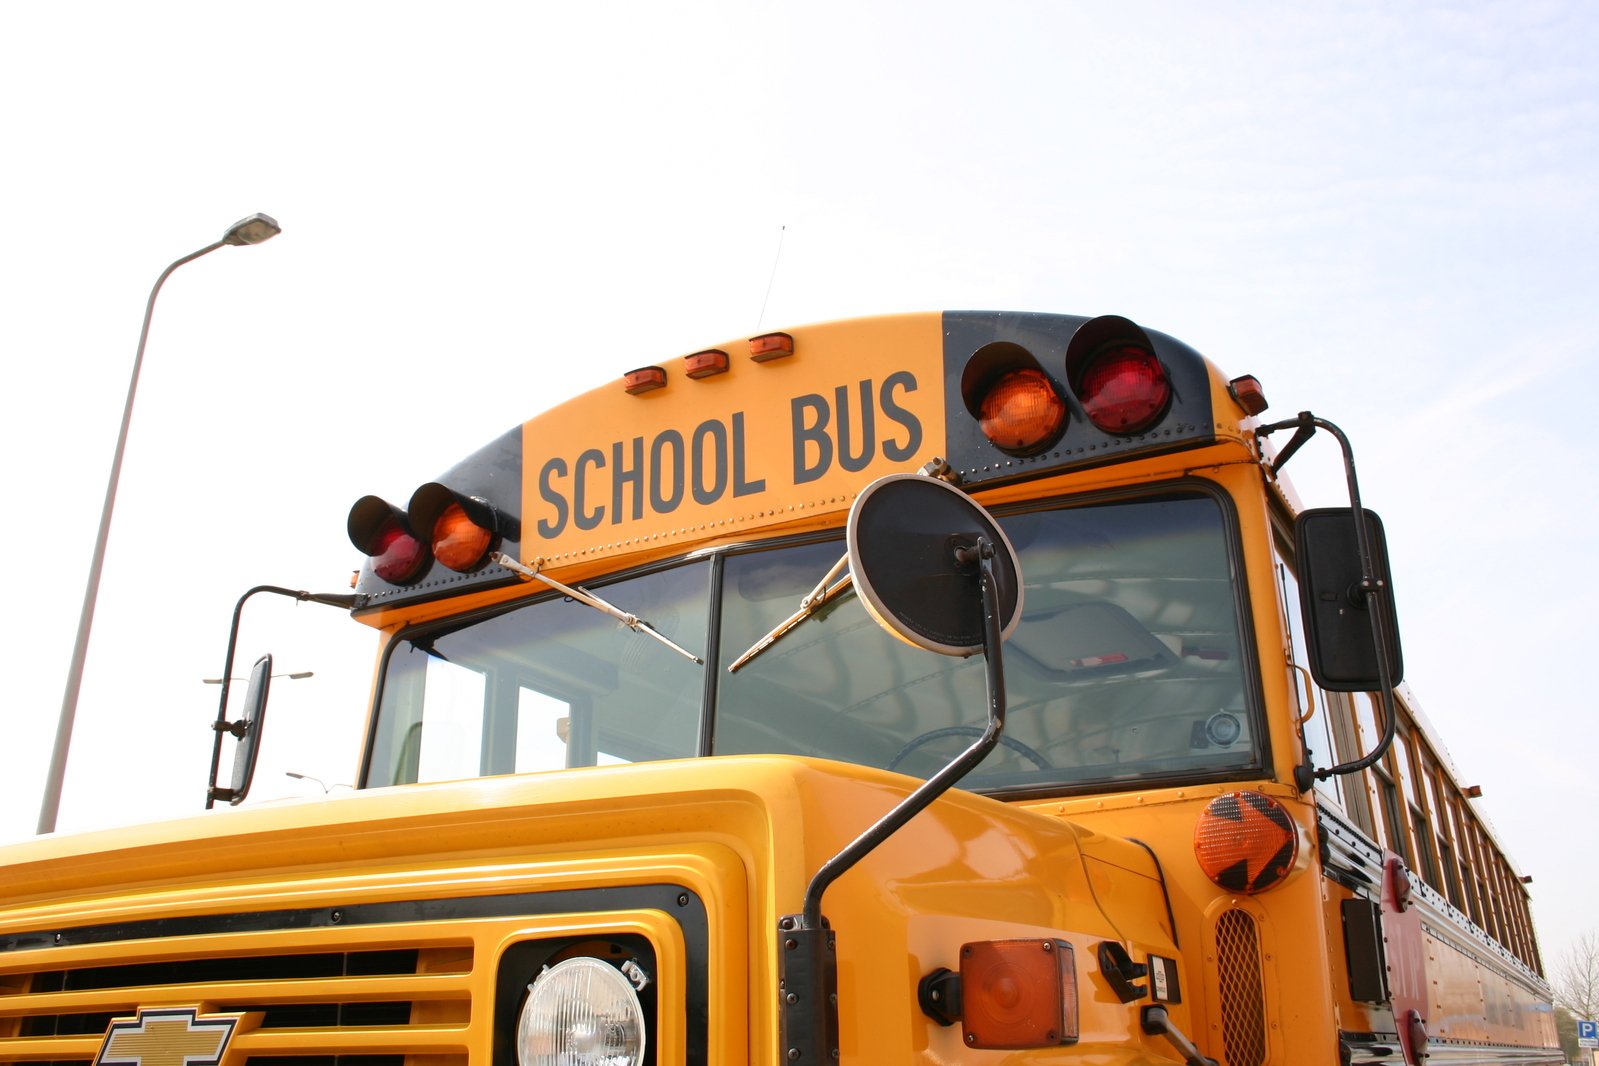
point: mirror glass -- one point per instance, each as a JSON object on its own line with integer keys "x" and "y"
{"x": 254, "y": 717}
{"x": 1338, "y": 621}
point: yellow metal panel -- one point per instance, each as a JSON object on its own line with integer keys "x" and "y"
{"x": 613, "y": 474}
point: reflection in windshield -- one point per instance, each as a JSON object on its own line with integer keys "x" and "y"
{"x": 1127, "y": 663}
{"x": 549, "y": 685}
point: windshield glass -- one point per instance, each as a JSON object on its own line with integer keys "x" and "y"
{"x": 548, "y": 685}
{"x": 1128, "y": 663}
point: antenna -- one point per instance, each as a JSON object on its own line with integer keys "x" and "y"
{"x": 761, "y": 319}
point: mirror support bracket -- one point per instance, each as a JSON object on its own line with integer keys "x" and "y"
{"x": 1370, "y": 589}
{"x": 807, "y": 950}
{"x": 221, "y": 725}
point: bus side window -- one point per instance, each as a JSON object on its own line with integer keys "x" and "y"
{"x": 1405, "y": 755}
{"x": 1330, "y": 733}
{"x": 1443, "y": 831}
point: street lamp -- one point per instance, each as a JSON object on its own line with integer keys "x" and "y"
{"x": 253, "y": 230}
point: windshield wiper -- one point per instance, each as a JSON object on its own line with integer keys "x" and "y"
{"x": 824, "y": 593}
{"x": 588, "y": 599}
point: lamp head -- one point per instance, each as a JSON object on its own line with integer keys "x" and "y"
{"x": 253, "y": 230}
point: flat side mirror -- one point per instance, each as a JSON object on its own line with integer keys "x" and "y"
{"x": 248, "y": 729}
{"x": 1338, "y": 619}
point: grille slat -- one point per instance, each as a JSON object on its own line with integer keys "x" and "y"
{"x": 232, "y": 997}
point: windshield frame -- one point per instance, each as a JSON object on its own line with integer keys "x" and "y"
{"x": 1249, "y": 667}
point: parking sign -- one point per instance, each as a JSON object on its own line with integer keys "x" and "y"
{"x": 1588, "y": 1034}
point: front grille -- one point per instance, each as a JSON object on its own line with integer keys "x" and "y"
{"x": 1243, "y": 996}
{"x": 425, "y": 982}
{"x": 355, "y": 1007}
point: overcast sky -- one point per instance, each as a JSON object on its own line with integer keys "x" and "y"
{"x": 1386, "y": 212}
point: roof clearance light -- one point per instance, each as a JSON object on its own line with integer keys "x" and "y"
{"x": 379, "y": 531}
{"x": 1021, "y": 412}
{"x": 458, "y": 542}
{"x": 581, "y": 1012}
{"x": 1018, "y": 993}
{"x": 1247, "y": 391}
{"x": 1245, "y": 842}
{"x": 769, "y": 346}
{"x": 705, "y": 364}
{"x": 644, "y": 379}
{"x": 1124, "y": 389}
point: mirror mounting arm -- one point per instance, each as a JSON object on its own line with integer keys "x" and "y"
{"x": 982, "y": 552}
{"x": 1369, "y": 589}
{"x": 222, "y": 725}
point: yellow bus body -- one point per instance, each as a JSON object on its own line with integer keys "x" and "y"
{"x": 409, "y": 908}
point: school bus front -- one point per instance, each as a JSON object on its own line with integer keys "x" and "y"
{"x": 635, "y": 782}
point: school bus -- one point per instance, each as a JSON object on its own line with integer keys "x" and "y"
{"x": 944, "y": 688}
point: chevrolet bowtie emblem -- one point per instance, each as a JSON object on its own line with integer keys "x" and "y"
{"x": 167, "y": 1036}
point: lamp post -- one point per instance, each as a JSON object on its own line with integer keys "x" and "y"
{"x": 253, "y": 230}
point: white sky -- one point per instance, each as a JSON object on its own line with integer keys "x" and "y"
{"x": 1386, "y": 212}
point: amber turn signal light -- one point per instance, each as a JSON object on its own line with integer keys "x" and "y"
{"x": 1008, "y": 994}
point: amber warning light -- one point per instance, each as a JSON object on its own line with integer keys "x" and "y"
{"x": 1021, "y": 412}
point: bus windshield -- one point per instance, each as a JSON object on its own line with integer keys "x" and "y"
{"x": 1129, "y": 663}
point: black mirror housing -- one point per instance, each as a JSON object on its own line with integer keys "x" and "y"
{"x": 1338, "y": 620}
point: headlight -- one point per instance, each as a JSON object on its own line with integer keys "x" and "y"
{"x": 581, "y": 1012}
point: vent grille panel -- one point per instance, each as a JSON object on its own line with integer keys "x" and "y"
{"x": 1243, "y": 997}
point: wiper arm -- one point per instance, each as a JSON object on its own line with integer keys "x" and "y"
{"x": 824, "y": 593}
{"x": 588, "y": 599}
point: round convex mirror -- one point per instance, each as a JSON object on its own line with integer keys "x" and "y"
{"x": 907, "y": 534}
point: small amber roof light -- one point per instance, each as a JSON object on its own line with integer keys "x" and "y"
{"x": 770, "y": 346}
{"x": 1247, "y": 391}
{"x": 644, "y": 379}
{"x": 705, "y": 364}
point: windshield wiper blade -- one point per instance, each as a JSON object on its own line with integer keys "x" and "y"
{"x": 588, "y": 599}
{"x": 824, "y": 593}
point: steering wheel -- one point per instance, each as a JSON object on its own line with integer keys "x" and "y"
{"x": 1030, "y": 754}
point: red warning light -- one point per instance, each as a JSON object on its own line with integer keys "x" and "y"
{"x": 1124, "y": 389}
